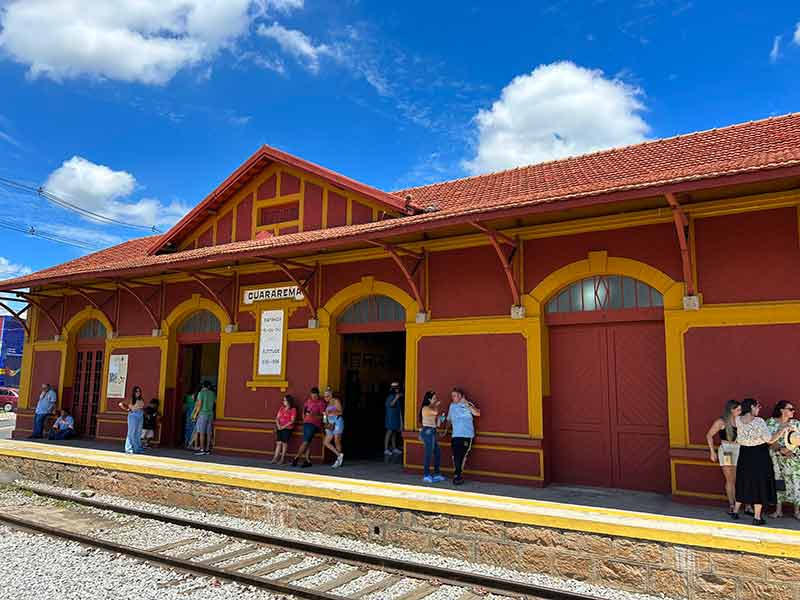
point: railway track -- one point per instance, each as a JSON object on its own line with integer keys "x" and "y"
{"x": 285, "y": 566}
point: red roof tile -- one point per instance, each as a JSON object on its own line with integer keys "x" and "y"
{"x": 740, "y": 149}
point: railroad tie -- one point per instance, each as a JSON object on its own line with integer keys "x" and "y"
{"x": 383, "y": 584}
{"x": 339, "y": 581}
{"x": 249, "y": 562}
{"x": 277, "y": 566}
{"x": 418, "y": 592}
{"x": 308, "y": 571}
{"x": 203, "y": 551}
{"x": 229, "y": 555}
{"x": 170, "y": 546}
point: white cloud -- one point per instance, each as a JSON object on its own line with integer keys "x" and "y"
{"x": 99, "y": 189}
{"x": 297, "y": 44}
{"x": 797, "y": 34}
{"x": 557, "y": 110}
{"x": 775, "y": 53}
{"x": 146, "y": 41}
{"x": 9, "y": 270}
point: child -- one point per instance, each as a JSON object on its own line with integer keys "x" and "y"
{"x": 149, "y": 424}
{"x": 284, "y": 423}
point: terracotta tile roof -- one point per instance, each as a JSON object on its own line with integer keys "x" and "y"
{"x": 736, "y": 150}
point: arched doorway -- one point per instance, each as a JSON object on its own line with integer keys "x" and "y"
{"x": 87, "y": 379}
{"x": 198, "y": 338}
{"x": 608, "y": 419}
{"x": 373, "y": 350}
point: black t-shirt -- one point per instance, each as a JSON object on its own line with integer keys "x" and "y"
{"x": 150, "y": 416}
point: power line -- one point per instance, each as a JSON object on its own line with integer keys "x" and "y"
{"x": 58, "y": 201}
{"x": 33, "y": 231}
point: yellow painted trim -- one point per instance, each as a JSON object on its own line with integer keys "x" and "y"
{"x": 336, "y": 305}
{"x": 601, "y": 521}
{"x": 674, "y": 477}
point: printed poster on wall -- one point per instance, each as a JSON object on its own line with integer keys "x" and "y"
{"x": 117, "y": 375}
{"x": 270, "y": 347}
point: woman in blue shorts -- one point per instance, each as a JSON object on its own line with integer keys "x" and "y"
{"x": 334, "y": 427}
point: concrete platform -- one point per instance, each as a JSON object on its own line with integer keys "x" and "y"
{"x": 607, "y": 512}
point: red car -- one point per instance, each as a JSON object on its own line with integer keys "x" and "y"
{"x": 8, "y": 399}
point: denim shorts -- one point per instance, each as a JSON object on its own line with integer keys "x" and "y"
{"x": 203, "y": 424}
{"x": 338, "y": 425}
{"x": 309, "y": 431}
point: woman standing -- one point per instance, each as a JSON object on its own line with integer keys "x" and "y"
{"x": 430, "y": 437}
{"x": 728, "y": 452}
{"x": 784, "y": 461}
{"x": 460, "y": 414}
{"x": 334, "y": 427}
{"x": 135, "y": 408}
{"x": 755, "y": 478}
{"x": 284, "y": 423}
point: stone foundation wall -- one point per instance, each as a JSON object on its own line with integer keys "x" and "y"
{"x": 616, "y": 562}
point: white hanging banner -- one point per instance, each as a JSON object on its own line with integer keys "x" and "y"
{"x": 117, "y": 375}
{"x": 270, "y": 346}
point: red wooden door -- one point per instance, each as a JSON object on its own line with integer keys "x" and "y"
{"x": 86, "y": 390}
{"x": 609, "y": 405}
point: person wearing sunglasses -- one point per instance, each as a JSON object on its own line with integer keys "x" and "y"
{"x": 755, "y": 477}
{"x": 785, "y": 461}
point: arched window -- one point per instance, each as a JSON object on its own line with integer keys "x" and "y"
{"x": 203, "y": 321}
{"x": 373, "y": 309}
{"x": 605, "y": 292}
{"x": 92, "y": 329}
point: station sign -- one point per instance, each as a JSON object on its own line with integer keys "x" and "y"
{"x": 288, "y": 292}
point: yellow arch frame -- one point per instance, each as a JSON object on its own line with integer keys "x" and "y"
{"x": 599, "y": 263}
{"x": 330, "y": 353}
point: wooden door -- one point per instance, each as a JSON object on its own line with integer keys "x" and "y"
{"x": 86, "y": 390}
{"x": 609, "y": 405}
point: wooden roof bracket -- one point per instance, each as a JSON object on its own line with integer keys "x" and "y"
{"x": 397, "y": 254}
{"x": 142, "y": 302}
{"x": 496, "y": 239}
{"x": 682, "y": 230}
{"x": 303, "y": 285}
{"x": 17, "y": 317}
{"x": 94, "y": 303}
{"x": 41, "y": 307}
{"x": 213, "y": 293}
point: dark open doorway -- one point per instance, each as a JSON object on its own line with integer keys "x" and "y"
{"x": 196, "y": 363}
{"x": 370, "y": 363}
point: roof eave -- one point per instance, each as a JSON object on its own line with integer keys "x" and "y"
{"x": 445, "y": 219}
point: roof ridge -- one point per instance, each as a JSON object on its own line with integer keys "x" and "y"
{"x": 598, "y": 152}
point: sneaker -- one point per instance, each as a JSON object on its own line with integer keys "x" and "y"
{"x": 339, "y": 461}
{"x": 397, "y": 451}
{"x": 386, "y": 452}
{"x": 438, "y": 478}
{"x": 306, "y": 464}
{"x": 427, "y": 479}
{"x": 458, "y": 481}
{"x": 294, "y": 461}
{"x": 199, "y": 453}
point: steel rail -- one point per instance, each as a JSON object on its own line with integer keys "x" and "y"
{"x": 412, "y": 569}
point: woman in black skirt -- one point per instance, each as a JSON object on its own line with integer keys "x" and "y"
{"x": 755, "y": 479}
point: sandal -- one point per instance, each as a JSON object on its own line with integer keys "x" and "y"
{"x": 776, "y": 515}
{"x": 759, "y": 521}
{"x": 733, "y": 515}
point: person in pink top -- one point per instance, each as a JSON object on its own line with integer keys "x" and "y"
{"x": 313, "y": 410}
{"x": 284, "y": 424}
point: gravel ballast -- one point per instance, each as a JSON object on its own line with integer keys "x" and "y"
{"x": 163, "y": 533}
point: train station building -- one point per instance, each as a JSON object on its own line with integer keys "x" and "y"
{"x": 599, "y": 309}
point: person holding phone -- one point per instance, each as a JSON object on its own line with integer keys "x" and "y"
{"x": 312, "y": 424}
{"x": 460, "y": 415}
{"x": 727, "y": 455}
{"x": 429, "y": 434}
{"x": 284, "y": 424}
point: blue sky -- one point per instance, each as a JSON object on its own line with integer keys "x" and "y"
{"x": 137, "y": 111}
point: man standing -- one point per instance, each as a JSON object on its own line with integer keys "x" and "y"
{"x": 47, "y": 401}
{"x": 313, "y": 409}
{"x": 63, "y": 428}
{"x": 204, "y": 415}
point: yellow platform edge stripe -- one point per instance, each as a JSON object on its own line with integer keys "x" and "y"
{"x": 582, "y": 522}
